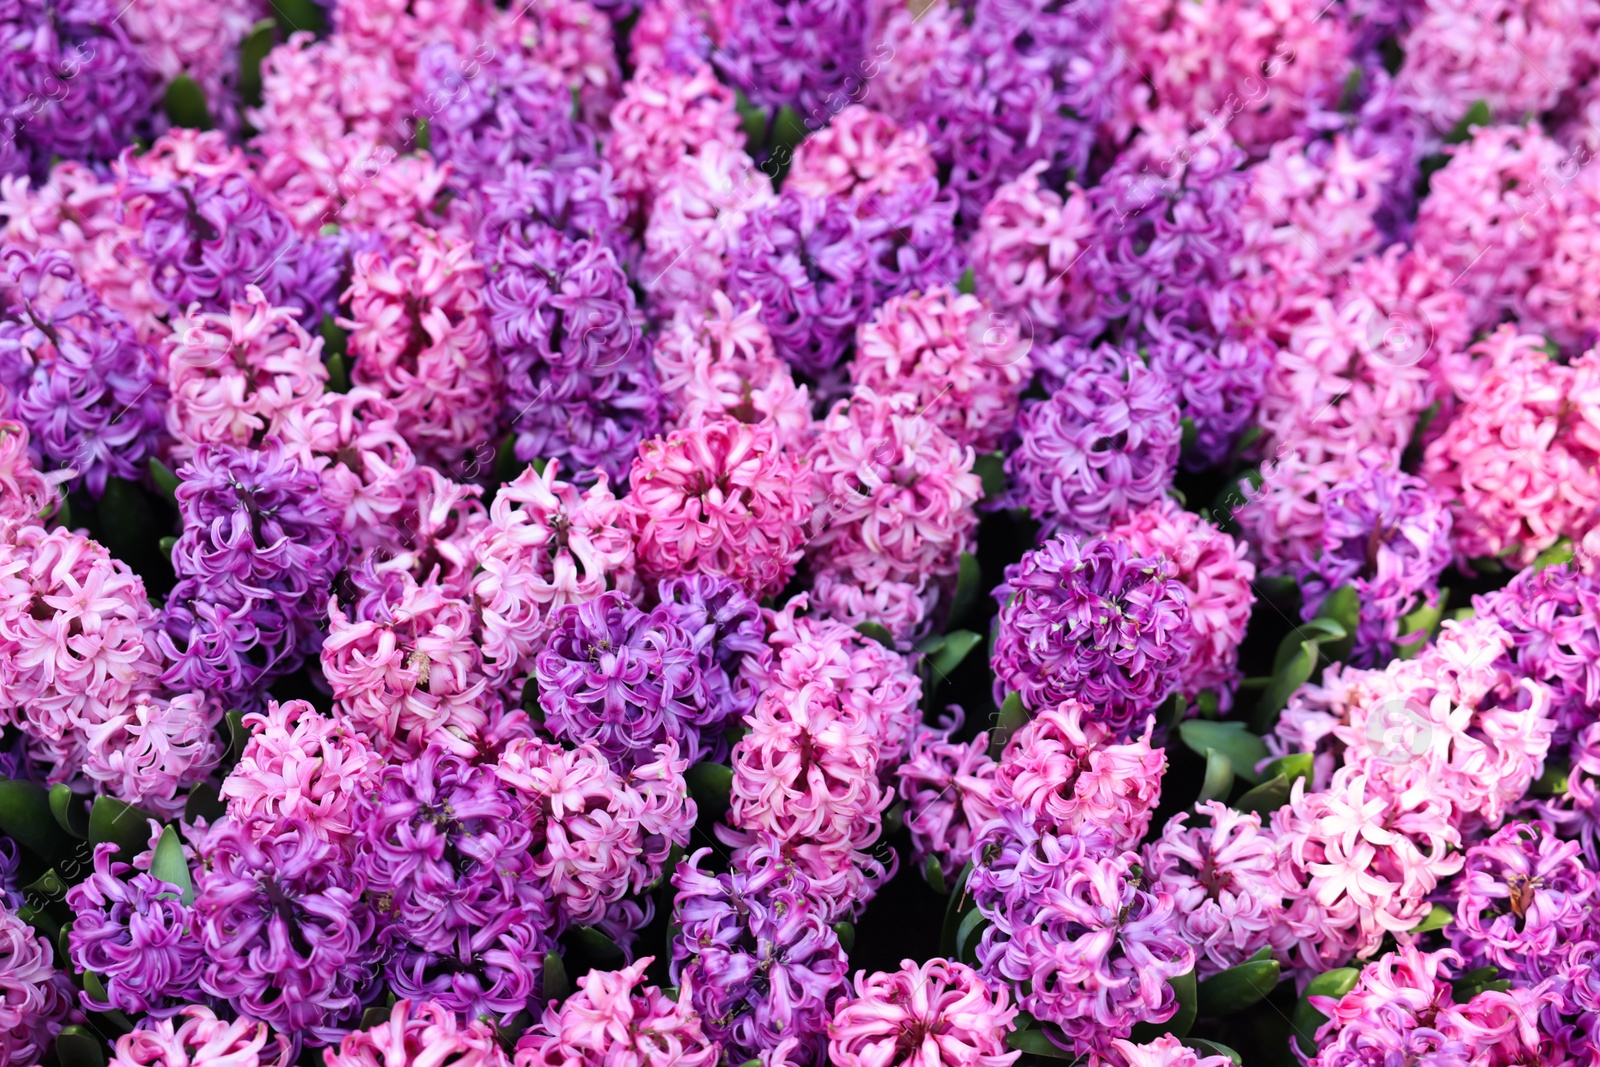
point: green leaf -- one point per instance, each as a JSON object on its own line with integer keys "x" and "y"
{"x": 1212, "y": 1048}
{"x": 894, "y": 819}
{"x": 1190, "y": 434}
{"x": 25, "y": 815}
{"x": 1477, "y": 981}
{"x": 1267, "y": 797}
{"x": 170, "y": 865}
{"x": 969, "y": 584}
{"x": 1242, "y": 747}
{"x": 203, "y": 803}
{"x": 1553, "y": 782}
{"x": 967, "y": 935}
{"x": 876, "y": 632}
{"x": 167, "y": 544}
{"x": 1206, "y": 701}
{"x": 711, "y": 784}
{"x": 933, "y": 874}
{"x": 1011, "y": 718}
{"x": 1188, "y": 1005}
{"x": 71, "y": 813}
{"x": 788, "y": 129}
{"x": 754, "y": 121}
{"x": 121, "y": 824}
{"x": 96, "y": 989}
{"x": 930, "y": 644}
{"x": 1477, "y": 115}
{"x": 335, "y": 354}
{"x": 968, "y": 282}
{"x": 252, "y": 50}
{"x": 1342, "y": 606}
{"x": 77, "y": 1047}
{"x": 954, "y": 908}
{"x": 376, "y": 1016}
{"x": 1237, "y": 987}
{"x": 1418, "y": 627}
{"x": 298, "y": 15}
{"x": 238, "y": 735}
{"x": 990, "y": 467}
{"x": 186, "y": 104}
{"x": 1291, "y": 676}
{"x": 595, "y": 944}
{"x": 165, "y": 480}
{"x": 1307, "y": 1019}
{"x": 64, "y": 942}
{"x": 1035, "y": 1043}
{"x": 1558, "y": 553}
{"x": 43, "y": 923}
{"x": 1437, "y": 919}
{"x": 506, "y": 464}
{"x": 424, "y": 135}
{"x": 555, "y": 985}
{"x": 957, "y": 645}
{"x": 1294, "y": 765}
{"x": 48, "y": 884}
{"x": 1219, "y": 776}
{"x": 847, "y": 936}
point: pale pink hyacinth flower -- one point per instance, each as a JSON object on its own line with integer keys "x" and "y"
{"x": 716, "y": 361}
{"x": 1223, "y": 879}
{"x": 1281, "y": 515}
{"x": 1164, "y": 1051}
{"x": 964, "y": 364}
{"x": 1028, "y": 242}
{"x": 615, "y": 1020}
{"x": 719, "y": 497}
{"x": 200, "y": 40}
{"x": 300, "y": 766}
{"x": 948, "y": 790}
{"x": 420, "y": 1035}
{"x": 26, "y": 496}
{"x": 698, "y": 211}
{"x": 1067, "y": 774}
{"x": 860, "y": 153}
{"x": 409, "y": 669}
{"x": 663, "y": 116}
{"x": 150, "y": 751}
{"x": 420, "y": 336}
{"x": 1212, "y": 566}
{"x": 197, "y": 1038}
{"x": 935, "y": 1014}
{"x": 907, "y": 610}
{"x": 547, "y": 544}
{"x": 235, "y": 376}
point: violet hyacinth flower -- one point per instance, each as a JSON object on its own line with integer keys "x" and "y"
{"x": 580, "y": 384}
{"x": 729, "y": 630}
{"x": 1091, "y": 621}
{"x": 756, "y": 949}
{"x": 207, "y": 238}
{"x": 35, "y": 997}
{"x": 288, "y": 935}
{"x": 138, "y": 936}
{"x": 83, "y": 383}
{"x": 72, "y": 85}
{"x": 624, "y": 680}
{"x": 1074, "y": 928}
{"x": 800, "y": 52}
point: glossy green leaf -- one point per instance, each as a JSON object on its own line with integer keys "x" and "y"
{"x": 1242, "y": 747}
{"x": 1294, "y": 765}
{"x": 894, "y": 819}
{"x": 25, "y": 815}
{"x": 1558, "y": 553}
{"x": 48, "y": 885}
{"x": 930, "y": 644}
{"x": 1295, "y": 672}
{"x": 238, "y": 735}
{"x": 1189, "y": 435}
{"x": 1237, "y": 987}
{"x": 166, "y": 545}
{"x": 1267, "y": 797}
{"x": 933, "y": 874}
{"x": 847, "y": 936}
{"x": 121, "y": 824}
{"x": 1212, "y": 1048}
{"x": 71, "y": 813}
{"x": 77, "y": 1047}
{"x": 1308, "y": 1019}
{"x": 595, "y": 944}
{"x": 711, "y": 784}
{"x": 1219, "y": 776}
{"x": 170, "y": 865}
{"x": 252, "y": 50}
{"x": 424, "y": 135}
{"x": 335, "y": 355}
{"x": 165, "y": 479}
{"x": 967, "y": 936}
{"x": 1477, "y": 981}
{"x": 1477, "y": 115}
{"x": 954, "y": 908}
{"x": 876, "y": 632}
{"x": 554, "y": 982}
{"x": 1035, "y": 1043}
{"x": 96, "y": 989}
{"x": 1342, "y": 606}
{"x": 1011, "y": 718}
{"x": 64, "y": 942}
{"x": 296, "y": 15}
{"x": 990, "y": 467}
{"x": 968, "y": 282}
{"x": 1437, "y": 919}
{"x": 1553, "y": 782}
{"x": 186, "y": 104}
{"x": 1418, "y": 627}
{"x": 42, "y": 921}
{"x": 376, "y": 1015}
{"x": 969, "y": 586}
{"x": 754, "y": 121}
{"x": 788, "y": 129}
{"x": 957, "y": 645}
{"x": 1206, "y": 702}
{"x": 1188, "y": 1005}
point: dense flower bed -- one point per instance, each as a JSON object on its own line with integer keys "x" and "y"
{"x": 784, "y": 533}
